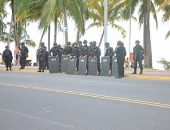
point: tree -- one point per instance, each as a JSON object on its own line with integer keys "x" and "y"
{"x": 2, "y": 16}
{"x": 22, "y": 35}
{"x": 165, "y": 7}
{"x": 127, "y": 8}
{"x": 96, "y": 13}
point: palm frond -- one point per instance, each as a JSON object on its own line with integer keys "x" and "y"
{"x": 167, "y": 35}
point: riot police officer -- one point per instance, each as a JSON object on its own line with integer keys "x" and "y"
{"x": 109, "y": 52}
{"x": 95, "y": 51}
{"x": 54, "y": 50}
{"x": 85, "y": 49}
{"x": 76, "y": 53}
{"x": 24, "y": 55}
{"x": 41, "y": 57}
{"x": 138, "y": 56}
{"x": 120, "y": 56}
{"x": 7, "y": 57}
{"x": 46, "y": 59}
{"x": 68, "y": 49}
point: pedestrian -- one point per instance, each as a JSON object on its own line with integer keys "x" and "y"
{"x": 46, "y": 59}
{"x": 41, "y": 57}
{"x": 138, "y": 56}
{"x": 127, "y": 63}
{"x": 24, "y": 55}
{"x": 110, "y": 53}
{"x": 120, "y": 56}
{"x": 7, "y": 57}
{"x": 17, "y": 52}
{"x": 76, "y": 53}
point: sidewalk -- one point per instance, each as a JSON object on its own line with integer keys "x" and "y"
{"x": 148, "y": 74}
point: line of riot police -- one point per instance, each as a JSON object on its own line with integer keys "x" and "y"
{"x": 81, "y": 54}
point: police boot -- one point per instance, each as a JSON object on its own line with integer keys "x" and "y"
{"x": 141, "y": 72}
{"x": 134, "y": 72}
{"x": 39, "y": 71}
{"x": 10, "y": 68}
{"x": 6, "y": 68}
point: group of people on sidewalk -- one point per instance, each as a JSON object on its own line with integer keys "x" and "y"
{"x": 76, "y": 50}
{"x": 21, "y": 54}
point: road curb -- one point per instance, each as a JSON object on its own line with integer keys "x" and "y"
{"x": 149, "y": 77}
{"x": 143, "y": 76}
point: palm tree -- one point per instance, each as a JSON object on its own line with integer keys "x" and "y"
{"x": 145, "y": 8}
{"x": 64, "y": 8}
{"x": 96, "y": 13}
{"x": 165, "y": 6}
{"x": 2, "y": 15}
{"x": 22, "y": 35}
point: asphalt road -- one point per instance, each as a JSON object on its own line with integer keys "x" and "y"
{"x": 42, "y": 101}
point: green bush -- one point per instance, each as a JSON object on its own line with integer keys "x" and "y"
{"x": 165, "y": 63}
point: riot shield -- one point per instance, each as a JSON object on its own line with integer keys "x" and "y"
{"x": 82, "y": 65}
{"x": 115, "y": 68}
{"x": 64, "y": 63}
{"x": 105, "y": 66}
{"x": 53, "y": 64}
{"x": 72, "y": 66}
{"x": 92, "y": 65}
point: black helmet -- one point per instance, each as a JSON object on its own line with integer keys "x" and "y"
{"x": 42, "y": 43}
{"x": 107, "y": 44}
{"x": 68, "y": 43}
{"x": 7, "y": 47}
{"x": 137, "y": 42}
{"x": 22, "y": 43}
{"x": 94, "y": 43}
{"x": 119, "y": 43}
{"x": 55, "y": 44}
{"x": 85, "y": 41}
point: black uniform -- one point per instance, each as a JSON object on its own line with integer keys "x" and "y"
{"x": 76, "y": 53}
{"x": 85, "y": 50}
{"x": 24, "y": 55}
{"x": 41, "y": 58}
{"x": 138, "y": 56}
{"x": 46, "y": 59}
{"x": 110, "y": 53}
{"x": 57, "y": 50}
{"x": 67, "y": 50}
{"x": 95, "y": 51}
{"x": 120, "y": 56}
{"x": 7, "y": 57}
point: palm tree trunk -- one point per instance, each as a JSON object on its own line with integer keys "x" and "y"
{"x": 42, "y": 36}
{"x": 65, "y": 23}
{"x": 66, "y": 26}
{"x": 101, "y": 39}
{"x": 55, "y": 30}
{"x": 147, "y": 40}
{"x": 49, "y": 29}
{"x": 14, "y": 22}
{"x": 149, "y": 49}
{"x": 78, "y": 35}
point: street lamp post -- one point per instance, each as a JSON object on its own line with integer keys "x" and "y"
{"x": 130, "y": 30}
{"x": 105, "y": 22}
{"x": 9, "y": 34}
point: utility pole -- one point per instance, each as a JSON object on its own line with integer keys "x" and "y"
{"x": 105, "y": 22}
{"x": 130, "y": 29}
